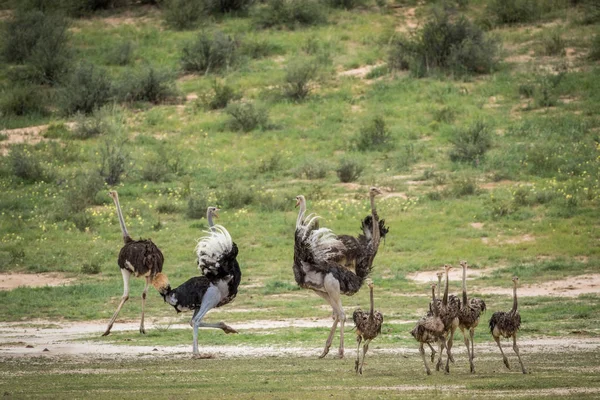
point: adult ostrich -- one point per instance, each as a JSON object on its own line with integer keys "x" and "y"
{"x": 316, "y": 251}
{"x": 430, "y": 329}
{"x": 137, "y": 257}
{"x": 368, "y": 327}
{"x": 210, "y": 213}
{"x": 218, "y": 285}
{"x": 468, "y": 316}
{"x": 507, "y": 324}
{"x": 448, "y": 311}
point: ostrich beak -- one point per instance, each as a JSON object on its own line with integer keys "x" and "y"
{"x": 297, "y": 203}
{"x": 216, "y": 213}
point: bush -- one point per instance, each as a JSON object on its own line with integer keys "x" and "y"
{"x": 246, "y": 117}
{"x": 349, "y": 170}
{"x": 196, "y": 206}
{"x": 456, "y": 46}
{"x": 290, "y": 13}
{"x": 594, "y": 53}
{"x": 374, "y": 136}
{"x": 259, "y": 48}
{"x": 220, "y": 96}
{"x": 113, "y": 159}
{"x": 554, "y": 45}
{"x": 26, "y": 165}
{"x": 91, "y": 268}
{"x": 182, "y": 14}
{"x": 299, "y": 74}
{"x": 88, "y": 89}
{"x": 207, "y": 53}
{"x": 270, "y": 164}
{"x": 226, "y": 6}
{"x": 147, "y": 84}
{"x": 312, "y": 169}
{"x": 236, "y": 196}
{"x": 82, "y": 192}
{"x": 40, "y": 41}
{"x": 591, "y": 11}
{"x": 345, "y": 4}
{"x": 121, "y": 54}
{"x": 514, "y": 11}
{"x": 545, "y": 94}
{"x": 463, "y": 185}
{"x": 22, "y": 100}
{"x": 471, "y": 144}
{"x": 155, "y": 168}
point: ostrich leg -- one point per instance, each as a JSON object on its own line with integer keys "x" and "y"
{"x": 422, "y": 351}
{"x": 333, "y": 327}
{"x": 497, "y": 339}
{"x": 516, "y": 349}
{"x": 472, "y": 333}
{"x": 432, "y": 352}
{"x": 359, "y": 340}
{"x": 144, "y": 293}
{"x": 126, "y": 274}
{"x": 466, "y": 340}
{"x": 365, "y": 348}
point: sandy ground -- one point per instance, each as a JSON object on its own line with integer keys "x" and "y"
{"x": 13, "y": 281}
{"x": 49, "y": 339}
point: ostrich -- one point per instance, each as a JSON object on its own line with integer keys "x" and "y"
{"x": 437, "y": 302}
{"x": 138, "y": 257}
{"x": 468, "y": 317}
{"x": 218, "y": 286}
{"x": 507, "y": 324}
{"x": 449, "y": 309}
{"x": 368, "y": 326}
{"x": 210, "y": 213}
{"x": 316, "y": 267}
{"x": 430, "y": 329}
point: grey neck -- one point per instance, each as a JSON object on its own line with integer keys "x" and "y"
{"x": 445, "y": 300}
{"x": 372, "y": 307}
{"x": 210, "y": 220}
{"x": 434, "y": 306}
{"x": 514, "y": 308}
{"x": 464, "y": 285}
{"x": 120, "y": 215}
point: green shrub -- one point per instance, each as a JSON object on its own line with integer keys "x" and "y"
{"x": 196, "y": 206}
{"x": 91, "y": 268}
{"x": 113, "y": 159}
{"x": 514, "y": 11}
{"x": 554, "y": 44}
{"x": 452, "y": 45}
{"x": 155, "y": 168}
{"x": 147, "y": 84}
{"x": 374, "y": 136}
{"x": 87, "y": 127}
{"x": 290, "y": 13}
{"x": 270, "y": 164}
{"x": 591, "y": 11}
{"x": 247, "y": 117}
{"x": 349, "y": 170}
{"x": 182, "y": 14}
{"x": 594, "y": 53}
{"x": 299, "y": 74}
{"x": 81, "y": 192}
{"x": 254, "y": 48}
{"x": 463, "y": 185}
{"x": 22, "y": 100}
{"x": 26, "y": 165}
{"x": 312, "y": 169}
{"x": 406, "y": 156}
{"x": 88, "y": 89}
{"x": 526, "y": 90}
{"x": 167, "y": 207}
{"x": 209, "y": 53}
{"x": 226, "y": 6}
{"x": 471, "y": 144}
{"x": 236, "y": 196}
{"x": 545, "y": 94}
{"x": 22, "y": 32}
{"x": 220, "y": 96}
{"x": 345, "y": 4}
{"x": 122, "y": 54}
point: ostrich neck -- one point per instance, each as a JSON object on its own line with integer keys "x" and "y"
{"x": 372, "y": 307}
{"x": 439, "y": 286}
{"x": 464, "y": 286}
{"x": 375, "y": 221}
{"x": 210, "y": 221}
{"x": 514, "y": 308}
{"x": 434, "y": 305}
{"x": 121, "y": 220}
{"x": 445, "y": 300}
{"x": 301, "y": 212}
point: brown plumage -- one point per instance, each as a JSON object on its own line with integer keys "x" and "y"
{"x": 316, "y": 266}
{"x": 137, "y": 258}
{"x": 368, "y": 326}
{"x": 507, "y": 324}
{"x": 468, "y": 317}
{"x": 448, "y": 310}
{"x": 430, "y": 329}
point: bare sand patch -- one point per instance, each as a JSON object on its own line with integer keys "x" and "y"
{"x": 430, "y": 276}
{"x": 511, "y": 240}
{"x": 571, "y": 286}
{"x": 29, "y": 135}
{"x": 13, "y": 281}
{"x": 359, "y": 72}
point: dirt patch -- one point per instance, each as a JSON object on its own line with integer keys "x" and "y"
{"x": 397, "y": 195}
{"x": 13, "y": 281}
{"x": 359, "y": 72}
{"x": 409, "y": 20}
{"x": 494, "y": 185}
{"x": 512, "y": 240}
{"x": 29, "y": 135}
{"x": 430, "y": 276}
{"x": 567, "y": 287}
{"x": 477, "y": 225}
{"x": 191, "y": 97}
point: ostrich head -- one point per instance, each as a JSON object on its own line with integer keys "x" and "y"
{"x": 161, "y": 284}
{"x": 370, "y": 283}
{"x": 214, "y": 211}
{"x": 515, "y": 280}
{"x": 447, "y": 267}
{"x": 463, "y": 264}
{"x": 439, "y": 275}
{"x": 433, "y": 286}
{"x": 374, "y": 191}
{"x": 113, "y": 194}
{"x": 300, "y": 200}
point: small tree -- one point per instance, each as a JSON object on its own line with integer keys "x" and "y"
{"x": 299, "y": 74}
{"x": 374, "y": 136}
{"x": 209, "y": 53}
{"x": 88, "y": 89}
{"x": 471, "y": 144}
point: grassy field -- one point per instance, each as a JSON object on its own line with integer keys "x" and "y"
{"x": 524, "y": 201}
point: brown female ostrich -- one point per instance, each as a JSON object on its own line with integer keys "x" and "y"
{"x": 316, "y": 267}
{"x": 468, "y": 317}
{"x": 430, "y": 329}
{"x": 138, "y": 257}
{"x": 449, "y": 309}
{"x": 507, "y": 324}
{"x": 368, "y": 326}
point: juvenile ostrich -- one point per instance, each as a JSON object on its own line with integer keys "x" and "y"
{"x": 438, "y": 302}
{"x": 468, "y": 317}
{"x": 218, "y": 286}
{"x": 430, "y": 329}
{"x": 316, "y": 267}
{"x": 137, "y": 257}
{"x": 449, "y": 309}
{"x": 368, "y": 326}
{"x": 507, "y": 324}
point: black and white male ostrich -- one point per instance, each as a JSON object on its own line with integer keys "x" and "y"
{"x": 368, "y": 327}
{"x": 468, "y": 317}
{"x": 210, "y": 213}
{"x": 217, "y": 286}
{"x": 430, "y": 329}
{"x": 316, "y": 266}
{"x": 507, "y": 324}
{"x": 448, "y": 310}
{"x": 137, "y": 257}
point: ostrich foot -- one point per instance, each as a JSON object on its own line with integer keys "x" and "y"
{"x": 340, "y": 353}
{"x": 356, "y": 366}
{"x": 506, "y": 363}
{"x": 525, "y": 371}
{"x": 228, "y": 329}
{"x": 428, "y": 371}
{"x": 438, "y": 365}
{"x": 432, "y": 356}
{"x": 325, "y": 352}
{"x": 472, "y": 369}
{"x": 451, "y": 358}
{"x": 106, "y": 333}
{"x": 142, "y": 330}
{"x": 360, "y": 371}
{"x": 447, "y": 370}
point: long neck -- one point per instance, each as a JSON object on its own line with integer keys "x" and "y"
{"x": 434, "y": 306}
{"x": 372, "y": 307}
{"x": 126, "y": 236}
{"x": 514, "y": 308}
{"x": 210, "y": 220}
{"x": 445, "y": 300}
{"x": 439, "y": 286}
{"x": 375, "y": 220}
{"x": 464, "y": 286}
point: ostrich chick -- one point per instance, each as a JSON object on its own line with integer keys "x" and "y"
{"x": 430, "y": 329}
{"x": 368, "y": 326}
